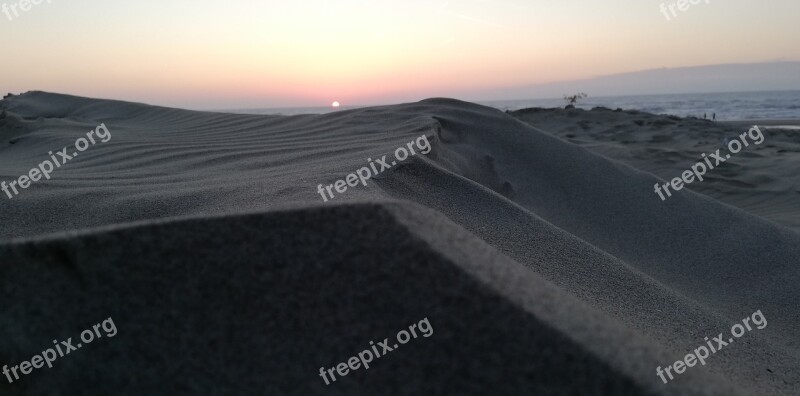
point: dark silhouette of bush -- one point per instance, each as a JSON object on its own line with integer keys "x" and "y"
{"x": 573, "y": 100}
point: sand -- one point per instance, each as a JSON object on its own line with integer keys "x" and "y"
{"x": 762, "y": 179}
{"x": 544, "y": 262}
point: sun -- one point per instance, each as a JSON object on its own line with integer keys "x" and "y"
{"x": 335, "y": 104}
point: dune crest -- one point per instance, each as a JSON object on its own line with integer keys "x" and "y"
{"x": 536, "y": 260}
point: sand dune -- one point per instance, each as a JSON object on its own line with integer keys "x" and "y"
{"x": 761, "y": 179}
{"x": 544, "y": 267}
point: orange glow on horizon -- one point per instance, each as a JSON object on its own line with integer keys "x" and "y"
{"x": 282, "y": 54}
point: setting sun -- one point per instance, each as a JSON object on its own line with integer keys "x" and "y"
{"x": 335, "y": 104}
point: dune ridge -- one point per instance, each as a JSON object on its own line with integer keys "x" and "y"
{"x": 289, "y": 285}
{"x": 640, "y": 282}
{"x": 760, "y": 179}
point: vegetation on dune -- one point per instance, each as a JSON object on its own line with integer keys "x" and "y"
{"x": 573, "y": 100}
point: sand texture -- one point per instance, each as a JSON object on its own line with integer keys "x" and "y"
{"x": 538, "y": 251}
{"x": 761, "y": 179}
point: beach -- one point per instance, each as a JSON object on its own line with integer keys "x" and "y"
{"x": 531, "y": 240}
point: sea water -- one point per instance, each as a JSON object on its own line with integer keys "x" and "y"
{"x": 781, "y": 105}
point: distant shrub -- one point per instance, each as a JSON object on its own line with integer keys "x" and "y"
{"x": 573, "y": 100}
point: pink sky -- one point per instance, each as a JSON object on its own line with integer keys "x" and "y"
{"x": 204, "y": 54}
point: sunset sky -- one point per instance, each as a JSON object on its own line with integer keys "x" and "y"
{"x": 239, "y": 53}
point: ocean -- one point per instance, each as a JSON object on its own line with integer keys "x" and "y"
{"x": 783, "y": 105}
{"x": 780, "y": 105}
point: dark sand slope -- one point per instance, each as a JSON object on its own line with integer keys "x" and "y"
{"x": 612, "y": 274}
{"x": 294, "y": 290}
{"x": 762, "y": 179}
